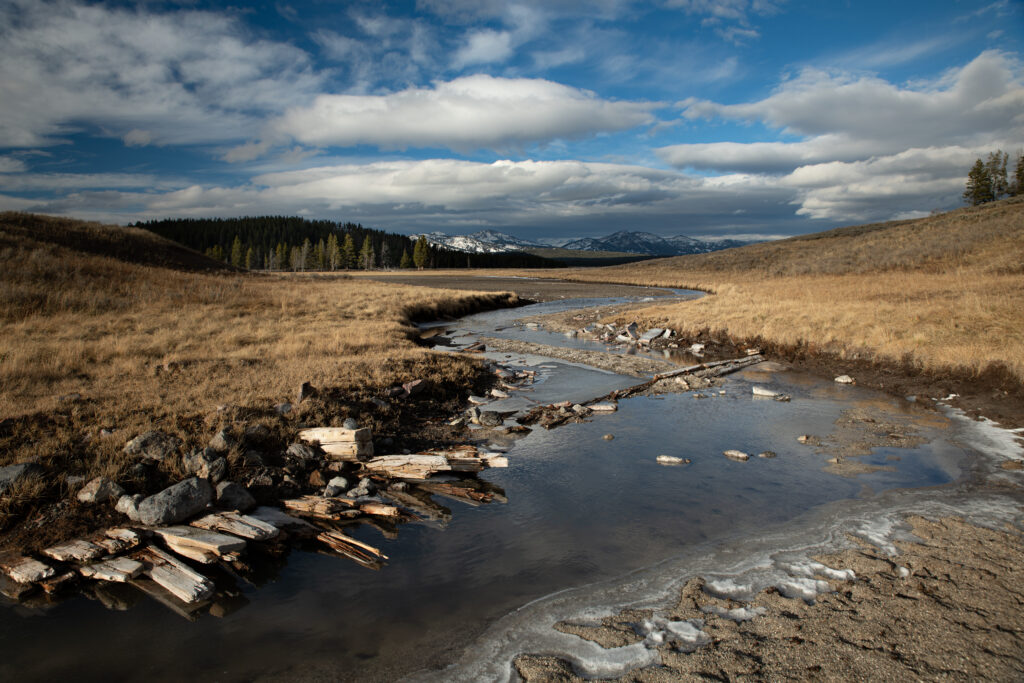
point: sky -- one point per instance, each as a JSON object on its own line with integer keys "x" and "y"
{"x": 540, "y": 118}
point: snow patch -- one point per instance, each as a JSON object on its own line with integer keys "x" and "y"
{"x": 738, "y": 614}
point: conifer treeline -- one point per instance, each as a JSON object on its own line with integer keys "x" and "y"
{"x": 294, "y": 243}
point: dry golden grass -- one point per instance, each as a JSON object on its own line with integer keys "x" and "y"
{"x": 149, "y": 347}
{"x": 943, "y": 292}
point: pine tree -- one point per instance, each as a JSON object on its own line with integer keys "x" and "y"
{"x": 237, "y": 255}
{"x": 996, "y": 167}
{"x": 979, "y": 185}
{"x": 333, "y": 252}
{"x": 1017, "y": 184}
{"x": 406, "y": 261}
{"x": 250, "y": 259}
{"x": 421, "y": 252}
{"x": 348, "y": 251}
{"x": 366, "y": 255}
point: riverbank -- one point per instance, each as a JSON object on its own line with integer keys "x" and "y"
{"x": 947, "y": 606}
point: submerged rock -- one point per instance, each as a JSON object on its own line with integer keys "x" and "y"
{"x": 734, "y": 454}
{"x": 177, "y": 502}
{"x": 491, "y": 418}
{"x": 767, "y": 454}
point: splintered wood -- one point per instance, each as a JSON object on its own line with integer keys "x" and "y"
{"x": 340, "y": 443}
{"x": 175, "y": 576}
{"x": 424, "y": 465}
{"x": 360, "y": 552}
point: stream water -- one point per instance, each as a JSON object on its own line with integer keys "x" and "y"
{"x": 590, "y": 525}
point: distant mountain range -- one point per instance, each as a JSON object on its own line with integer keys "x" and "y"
{"x": 493, "y": 242}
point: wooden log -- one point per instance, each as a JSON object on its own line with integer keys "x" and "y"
{"x": 25, "y": 569}
{"x": 172, "y": 602}
{"x": 239, "y": 525}
{"x": 348, "y": 451}
{"x": 117, "y": 540}
{"x": 176, "y": 577}
{"x": 362, "y": 554}
{"x": 335, "y": 435}
{"x": 282, "y": 520}
{"x": 192, "y": 553}
{"x": 210, "y": 541}
{"x": 78, "y": 550}
{"x": 408, "y": 466}
{"x": 117, "y": 570}
{"x": 454, "y": 491}
{"x": 379, "y": 509}
{"x": 421, "y": 505}
{"x": 323, "y": 508}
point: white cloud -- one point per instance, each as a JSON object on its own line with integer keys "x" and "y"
{"x": 147, "y": 77}
{"x": 34, "y": 182}
{"x": 9, "y": 164}
{"x": 730, "y": 19}
{"x": 467, "y": 113}
{"x": 484, "y": 47}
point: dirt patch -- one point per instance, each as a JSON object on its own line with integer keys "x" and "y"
{"x": 946, "y": 607}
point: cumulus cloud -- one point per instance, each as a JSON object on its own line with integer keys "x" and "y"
{"x": 484, "y": 47}
{"x": 144, "y": 76}
{"x": 467, "y": 113}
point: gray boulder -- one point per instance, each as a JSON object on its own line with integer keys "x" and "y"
{"x": 100, "y": 490}
{"x": 336, "y": 487}
{"x": 176, "y": 503}
{"x": 350, "y": 423}
{"x": 365, "y": 488}
{"x": 11, "y": 474}
{"x": 491, "y": 418}
{"x": 129, "y": 505}
{"x": 206, "y": 463}
{"x": 302, "y": 452}
{"x": 232, "y": 496}
{"x": 154, "y": 445}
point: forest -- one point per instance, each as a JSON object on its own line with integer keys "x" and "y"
{"x": 301, "y": 244}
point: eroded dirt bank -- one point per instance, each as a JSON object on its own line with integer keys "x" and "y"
{"x": 947, "y": 607}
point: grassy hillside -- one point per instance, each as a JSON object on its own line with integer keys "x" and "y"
{"x": 94, "y": 335}
{"x": 943, "y": 293}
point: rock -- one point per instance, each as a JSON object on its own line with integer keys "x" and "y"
{"x": 350, "y": 423}
{"x": 667, "y": 334}
{"x": 154, "y": 445}
{"x": 256, "y": 434}
{"x": 651, "y": 334}
{"x": 366, "y": 487}
{"x": 478, "y": 400}
{"x": 608, "y": 437}
{"x": 305, "y": 391}
{"x": 672, "y": 460}
{"x": 767, "y": 454}
{"x": 337, "y": 486}
{"x": 844, "y": 379}
{"x": 632, "y": 331}
{"x": 753, "y": 352}
{"x": 473, "y": 413}
{"x": 129, "y": 505}
{"x": 232, "y": 496}
{"x": 457, "y": 422}
{"x": 580, "y": 409}
{"x": 807, "y": 438}
{"x": 394, "y": 392}
{"x": 498, "y": 393}
{"x": 100, "y": 490}
{"x": 176, "y": 503}
{"x": 696, "y": 348}
{"x": 491, "y": 418}
{"x": 762, "y": 391}
{"x": 316, "y": 479}
{"x": 1012, "y": 465}
{"x": 222, "y": 442}
{"x": 733, "y": 454}
{"x": 380, "y": 403}
{"x": 12, "y": 474}
{"x": 283, "y": 408}
{"x": 303, "y": 452}
{"x": 604, "y": 407}
{"x": 253, "y": 459}
{"x": 74, "y": 479}
{"x": 414, "y": 387}
{"x": 206, "y": 463}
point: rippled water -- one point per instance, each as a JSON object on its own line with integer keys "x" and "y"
{"x": 580, "y": 510}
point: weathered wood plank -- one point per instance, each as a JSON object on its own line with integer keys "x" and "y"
{"x": 192, "y": 553}
{"x": 172, "y": 602}
{"x": 78, "y": 550}
{"x": 325, "y": 435}
{"x": 282, "y": 520}
{"x": 178, "y": 578}
{"x": 359, "y": 552}
{"x": 210, "y": 541}
{"x": 118, "y": 570}
{"x": 348, "y": 451}
{"x": 25, "y": 569}
{"x": 239, "y": 525}
{"x": 421, "y": 505}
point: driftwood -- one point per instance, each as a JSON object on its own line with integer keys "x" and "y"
{"x": 458, "y": 491}
{"x": 117, "y": 570}
{"x": 188, "y": 610}
{"x": 338, "y": 508}
{"x": 362, "y": 553}
{"x": 424, "y": 465}
{"x": 209, "y": 541}
{"x": 235, "y": 524}
{"x": 716, "y": 368}
{"x": 25, "y": 569}
{"x": 78, "y": 550}
{"x": 420, "y": 504}
{"x": 177, "y": 578}
{"x": 340, "y": 443}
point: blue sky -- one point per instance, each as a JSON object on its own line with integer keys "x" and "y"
{"x": 540, "y": 118}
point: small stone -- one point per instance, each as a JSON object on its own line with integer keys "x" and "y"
{"x": 207, "y": 464}
{"x": 767, "y": 454}
{"x": 154, "y": 445}
{"x": 806, "y": 438}
{"x": 336, "y": 487}
{"x": 305, "y": 391}
{"x": 380, "y": 403}
{"x": 302, "y": 452}
{"x": 257, "y": 433}
{"x": 129, "y": 505}
{"x": 753, "y": 352}
{"x": 11, "y": 474}
{"x": 733, "y": 454}
{"x": 176, "y": 503}
{"x": 580, "y": 409}
{"x": 491, "y": 418}
{"x": 498, "y": 393}
{"x": 222, "y": 442}
{"x": 608, "y": 437}
{"x": 478, "y": 400}
{"x": 100, "y": 490}
{"x": 672, "y": 460}
{"x": 765, "y": 392}
{"x": 844, "y": 379}
{"x": 365, "y": 488}
{"x": 603, "y": 407}
{"x": 1012, "y": 465}
{"x": 696, "y": 348}
{"x": 350, "y": 423}
{"x": 232, "y": 496}
{"x": 414, "y": 387}
{"x": 283, "y": 408}
{"x": 316, "y": 479}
